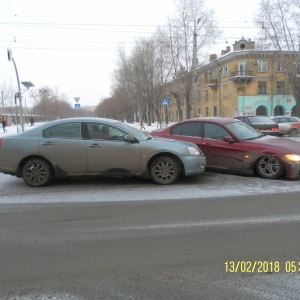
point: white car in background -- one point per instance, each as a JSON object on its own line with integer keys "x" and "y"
{"x": 288, "y": 125}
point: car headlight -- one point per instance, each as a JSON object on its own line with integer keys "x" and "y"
{"x": 293, "y": 157}
{"x": 194, "y": 152}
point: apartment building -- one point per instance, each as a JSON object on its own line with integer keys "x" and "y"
{"x": 241, "y": 80}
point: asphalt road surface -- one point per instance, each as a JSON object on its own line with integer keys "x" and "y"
{"x": 80, "y": 240}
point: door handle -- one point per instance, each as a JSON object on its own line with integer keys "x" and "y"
{"x": 48, "y": 144}
{"x": 95, "y": 146}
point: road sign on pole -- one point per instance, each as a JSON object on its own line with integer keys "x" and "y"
{"x": 77, "y": 99}
{"x": 165, "y": 101}
{"x": 77, "y": 106}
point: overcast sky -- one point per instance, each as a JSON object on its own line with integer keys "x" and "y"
{"x": 72, "y": 45}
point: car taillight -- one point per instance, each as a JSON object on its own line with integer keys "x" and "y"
{"x": 274, "y": 129}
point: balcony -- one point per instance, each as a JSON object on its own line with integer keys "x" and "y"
{"x": 241, "y": 77}
{"x": 213, "y": 84}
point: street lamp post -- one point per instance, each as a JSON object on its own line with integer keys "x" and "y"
{"x": 10, "y": 58}
{"x": 29, "y": 84}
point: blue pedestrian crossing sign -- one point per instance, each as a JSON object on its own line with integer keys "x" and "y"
{"x": 77, "y": 106}
{"x": 165, "y": 101}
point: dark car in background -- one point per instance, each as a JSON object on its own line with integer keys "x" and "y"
{"x": 288, "y": 125}
{"x": 230, "y": 144}
{"x": 262, "y": 124}
{"x": 93, "y": 147}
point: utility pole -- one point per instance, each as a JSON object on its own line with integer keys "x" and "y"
{"x": 194, "y": 71}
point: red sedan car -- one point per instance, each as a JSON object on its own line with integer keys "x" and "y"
{"x": 230, "y": 144}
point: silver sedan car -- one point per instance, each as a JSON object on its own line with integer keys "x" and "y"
{"x": 94, "y": 146}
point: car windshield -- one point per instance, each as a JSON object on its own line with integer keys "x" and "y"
{"x": 243, "y": 131}
{"x": 140, "y": 135}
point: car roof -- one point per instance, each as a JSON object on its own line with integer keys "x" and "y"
{"x": 76, "y": 119}
{"x": 283, "y": 116}
{"x": 253, "y": 116}
{"x": 83, "y": 119}
{"x": 219, "y": 120}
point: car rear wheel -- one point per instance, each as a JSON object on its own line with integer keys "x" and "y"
{"x": 293, "y": 132}
{"x": 164, "y": 170}
{"x": 37, "y": 172}
{"x": 269, "y": 167}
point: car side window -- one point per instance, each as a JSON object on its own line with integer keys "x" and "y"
{"x": 98, "y": 131}
{"x": 187, "y": 129}
{"x": 214, "y": 131}
{"x": 64, "y": 131}
{"x": 190, "y": 129}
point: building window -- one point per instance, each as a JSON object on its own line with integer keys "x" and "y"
{"x": 214, "y": 74}
{"x": 242, "y": 68}
{"x": 199, "y": 112}
{"x": 262, "y": 87}
{"x": 262, "y": 65}
{"x": 205, "y": 77}
{"x": 280, "y": 88}
{"x": 215, "y": 111}
{"x": 206, "y": 95}
{"x": 280, "y": 67}
{"x": 206, "y": 111}
{"x": 225, "y": 71}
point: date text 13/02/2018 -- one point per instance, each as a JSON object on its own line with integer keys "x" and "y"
{"x": 262, "y": 266}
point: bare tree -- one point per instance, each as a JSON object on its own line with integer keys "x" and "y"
{"x": 142, "y": 77}
{"x": 124, "y": 89}
{"x": 153, "y": 71}
{"x": 7, "y": 96}
{"x": 279, "y": 25}
{"x": 193, "y": 28}
{"x": 49, "y": 104}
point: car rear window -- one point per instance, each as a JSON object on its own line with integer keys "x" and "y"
{"x": 261, "y": 120}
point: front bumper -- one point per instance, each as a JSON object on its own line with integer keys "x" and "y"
{"x": 292, "y": 169}
{"x": 194, "y": 165}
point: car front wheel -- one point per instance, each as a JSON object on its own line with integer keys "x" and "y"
{"x": 269, "y": 167}
{"x": 37, "y": 172}
{"x": 164, "y": 170}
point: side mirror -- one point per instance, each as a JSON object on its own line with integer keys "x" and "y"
{"x": 129, "y": 138}
{"x": 228, "y": 138}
